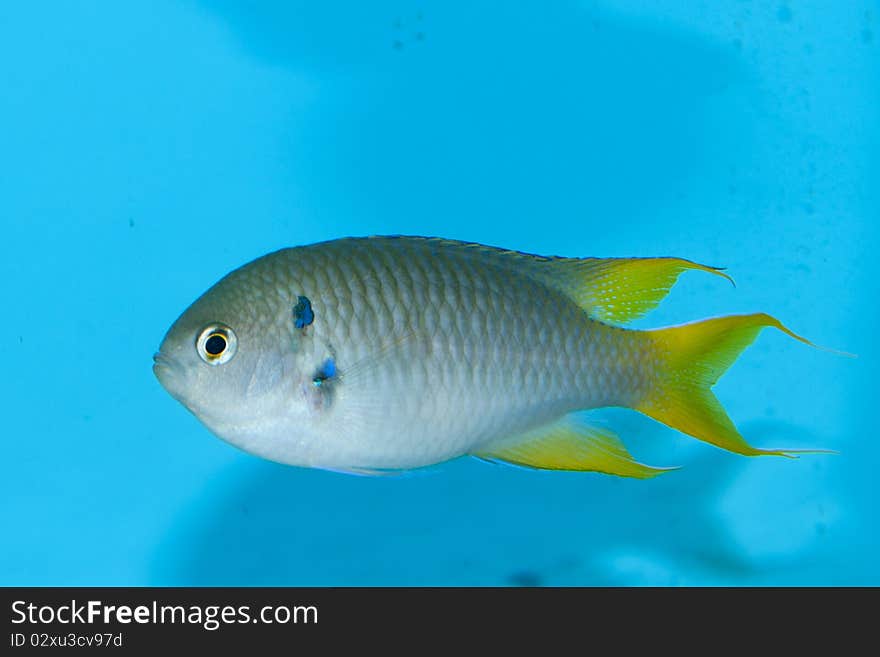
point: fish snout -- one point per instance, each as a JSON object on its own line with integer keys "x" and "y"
{"x": 169, "y": 372}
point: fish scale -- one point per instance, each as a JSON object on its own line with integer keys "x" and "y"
{"x": 528, "y": 346}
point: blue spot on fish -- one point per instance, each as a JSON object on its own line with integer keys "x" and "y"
{"x": 302, "y": 313}
{"x": 326, "y": 371}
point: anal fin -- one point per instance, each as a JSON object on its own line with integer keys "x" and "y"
{"x": 570, "y": 444}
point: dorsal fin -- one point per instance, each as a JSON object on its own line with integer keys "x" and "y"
{"x": 619, "y": 290}
{"x": 613, "y": 290}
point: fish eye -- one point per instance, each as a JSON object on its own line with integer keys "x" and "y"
{"x": 216, "y": 344}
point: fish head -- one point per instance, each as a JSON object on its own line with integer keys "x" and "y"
{"x": 237, "y": 361}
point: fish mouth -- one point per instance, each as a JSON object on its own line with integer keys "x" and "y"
{"x": 161, "y": 361}
{"x": 168, "y": 372}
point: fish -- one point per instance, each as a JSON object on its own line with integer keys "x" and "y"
{"x": 380, "y": 355}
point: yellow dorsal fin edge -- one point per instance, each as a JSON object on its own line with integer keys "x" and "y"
{"x": 620, "y": 290}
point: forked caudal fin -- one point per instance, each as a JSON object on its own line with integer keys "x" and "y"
{"x": 692, "y": 357}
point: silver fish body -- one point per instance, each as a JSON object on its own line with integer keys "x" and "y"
{"x": 412, "y": 351}
{"x": 441, "y": 348}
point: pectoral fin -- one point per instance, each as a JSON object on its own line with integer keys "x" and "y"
{"x": 368, "y": 472}
{"x": 569, "y": 444}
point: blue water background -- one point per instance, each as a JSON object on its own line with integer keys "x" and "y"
{"x": 147, "y": 148}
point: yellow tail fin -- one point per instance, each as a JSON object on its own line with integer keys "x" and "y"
{"x": 692, "y": 357}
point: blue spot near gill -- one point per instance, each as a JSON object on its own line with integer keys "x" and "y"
{"x": 302, "y": 313}
{"x": 326, "y": 371}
